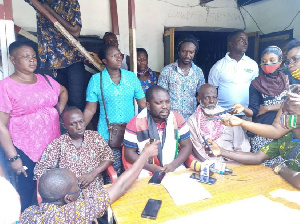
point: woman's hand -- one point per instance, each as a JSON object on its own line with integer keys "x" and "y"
{"x": 238, "y": 108}
{"x": 231, "y": 120}
{"x": 215, "y": 149}
{"x": 262, "y": 110}
{"x": 18, "y": 167}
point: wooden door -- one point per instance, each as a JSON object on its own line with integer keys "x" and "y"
{"x": 169, "y": 46}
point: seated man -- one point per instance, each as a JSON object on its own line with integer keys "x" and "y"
{"x": 60, "y": 192}
{"x": 84, "y": 152}
{"x": 158, "y": 122}
{"x": 202, "y": 124}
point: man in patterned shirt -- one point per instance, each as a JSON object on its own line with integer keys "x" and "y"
{"x": 60, "y": 192}
{"x": 183, "y": 78}
{"x": 84, "y": 152}
{"x": 55, "y": 51}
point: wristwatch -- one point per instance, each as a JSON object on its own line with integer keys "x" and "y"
{"x": 278, "y": 168}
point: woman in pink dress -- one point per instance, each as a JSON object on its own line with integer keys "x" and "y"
{"x": 29, "y": 120}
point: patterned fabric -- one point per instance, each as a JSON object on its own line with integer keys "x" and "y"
{"x": 231, "y": 138}
{"x": 52, "y": 45}
{"x": 257, "y": 142}
{"x": 152, "y": 80}
{"x": 137, "y": 131}
{"x": 213, "y": 129}
{"x": 117, "y": 165}
{"x": 283, "y": 147}
{"x": 63, "y": 153}
{"x": 80, "y": 211}
{"x": 182, "y": 89}
{"x": 118, "y": 98}
{"x": 33, "y": 120}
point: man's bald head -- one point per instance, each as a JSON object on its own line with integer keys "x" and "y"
{"x": 208, "y": 98}
{"x": 56, "y": 183}
{"x": 206, "y": 88}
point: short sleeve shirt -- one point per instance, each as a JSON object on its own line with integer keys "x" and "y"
{"x": 52, "y": 45}
{"x": 118, "y": 98}
{"x": 283, "y": 147}
{"x": 233, "y": 78}
{"x": 182, "y": 89}
{"x": 80, "y": 211}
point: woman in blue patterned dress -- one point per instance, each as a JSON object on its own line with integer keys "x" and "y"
{"x": 146, "y": 76}
{"x": 120, "y": 87}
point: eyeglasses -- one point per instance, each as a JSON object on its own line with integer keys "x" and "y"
{"x": 292, "y": 61}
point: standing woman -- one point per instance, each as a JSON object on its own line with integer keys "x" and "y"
{"x": 120, "y": 87}
{"x": 146, "y": 76}
{"x": 266, "y": 93}
{"x": 28, "y": 119}
{"x": 111, "y": 38}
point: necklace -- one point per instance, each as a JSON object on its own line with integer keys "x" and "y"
{"x": 144, "y": 72}
{"x": 24, "y": 80}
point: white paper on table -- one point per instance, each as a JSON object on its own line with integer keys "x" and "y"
{"x": 266, "y": 211}
{"x": 292, "y": 196}
{"x": 185, "y": 190}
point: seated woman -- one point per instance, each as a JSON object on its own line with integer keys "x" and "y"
{"x": 146, "y": 76}
{"x": 28, "y": 119}
{"x": 266, "y": 94}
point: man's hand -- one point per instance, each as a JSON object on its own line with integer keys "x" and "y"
{"x": 17, "y": 167}
{"x": 151, "y": 149}
{"x": 262, "y": 110}
{"x": 168, "y": 168}
{"x": 216, "y": 150}
{"x": 238, "y": 108}
{"x": 231, "y": 120}
{"x": 86, "y": 179}
{"x": 292, "y": 106}
{"x": 155, "y": 168}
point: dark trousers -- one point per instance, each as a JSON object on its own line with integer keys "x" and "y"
{"x": 73, "y": 78}
{"x": 26, "y": 186}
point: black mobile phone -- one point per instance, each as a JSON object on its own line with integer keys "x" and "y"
{"x": 203, "y": 179}
{"x": 151, "y": 209}
{"x": 157, "y": 177}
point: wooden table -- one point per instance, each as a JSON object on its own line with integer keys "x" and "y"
{"x": 248, "y": 181}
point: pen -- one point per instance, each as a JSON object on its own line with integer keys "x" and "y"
{"x": 208, "y": 145}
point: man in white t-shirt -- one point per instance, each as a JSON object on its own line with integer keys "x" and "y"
{"x": 233, "y": 74}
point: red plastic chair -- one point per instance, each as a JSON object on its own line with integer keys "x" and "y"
{"x": 110, "y": 171}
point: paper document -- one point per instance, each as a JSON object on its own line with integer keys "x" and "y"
{"x": 184, "y": 190}
{"x": 293, "y": 196}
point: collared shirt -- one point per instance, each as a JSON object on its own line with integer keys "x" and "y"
{"x": 79, "y": 211}
{"x": 52, "y": 45}
{"x": 283, "y": 147}
{"x": 233, "y": 78}
{"x": 63, "y": 153}
{"x": 118, "y": 98}
{"x": 182, "y": 89}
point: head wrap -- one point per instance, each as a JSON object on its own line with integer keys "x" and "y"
{"x": 272, "y": 49}
{"x": 185, "y": 39}
{"x": 270, "y": 84}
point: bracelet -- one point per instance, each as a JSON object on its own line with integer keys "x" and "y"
{"x": 278, "y": 168}
{"x": 14, "y": 158}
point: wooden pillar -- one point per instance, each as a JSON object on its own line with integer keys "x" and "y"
{"x": 132, "y": 36}
{"x": 7, "y": 36}
{"x": 114, "y": 17}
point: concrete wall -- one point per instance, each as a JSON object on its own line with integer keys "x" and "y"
{"x": 154, "y": 16}
{"x": 273, "y": 16}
